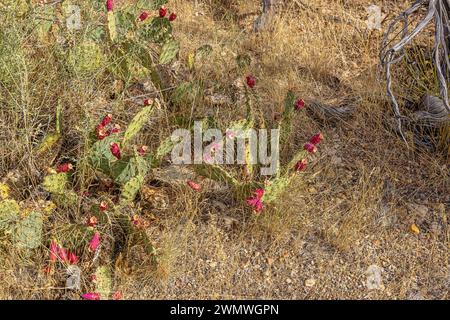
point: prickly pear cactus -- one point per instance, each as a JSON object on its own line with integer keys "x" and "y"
{"x": 137, "y": 123}
{"x": 9, "y": 212}
{"x": 131, "y": 188}
{"x": 28, "y": 232}
{"x": 169, "y": 51}
{"x": 56, "y": 183}
{"x": 85, "y": 58}
{"x": 103, "y": 281}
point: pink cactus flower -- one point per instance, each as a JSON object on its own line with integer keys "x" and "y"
{"x": 72, "y": 258}
{"x": 172, "y": 16}
{"x": 256, "y": 201}
{"x": 251, "y": 81}
{"x": 54, "y": 248}
{"x": 95, "y": 242}
{"x": 194, "y": 186}
{"x": 106, "y": 120}
{"x": 115, "y": 150}
{"x": 299, "y": 104}
{"x": 62, "y": 253}
{"x": 143, "y": 16}
{"x": 63, "y": 168}
{"x": 91, "y": 296}
{"x": 103, "y": 206}
{"x": 162, "y": 12}
{"x": 301, "y": 165}
{"x": 109, "y": 5}
{"x": 310, "y": 148}
{"x": 316, "y": 139}
{"x": 142, "y": 150}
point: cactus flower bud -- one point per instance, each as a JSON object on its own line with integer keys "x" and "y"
{"x": 316, "y": 139}
{"x": 115, "y": 150}
{"x": 95, "y": 242}
{"x": 256, "y": 201}
{"x": 143, "y": 16}
{"x": 162, "y": 12}
{"x": 109, "y": 5}
{"x": 299, "y": 104}
{"x": 172, "y": 16}
{"x": 103, "y": 206}
{"x": 92, "y": 221}
{"x": 301, "y": 165}
{"x": 63, "y": 168}
{"x": 62, "y": 253}
{"x": 148, "y": 102}
{"x": 106, "y": 120}
{"x": 251, "y": 81}
{"x": 91, "y": 296}
{"x": 72, "y": 258}
{"x": 310, "y": 148}
{"x": 194, "y": 186}
{"x": 53, "y": 251}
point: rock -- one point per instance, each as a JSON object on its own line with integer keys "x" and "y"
{"x": 374, "y": 281}
{"x": 310, "y": 283}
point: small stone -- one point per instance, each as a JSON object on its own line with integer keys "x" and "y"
{"x": 288, "y": 281}
{"x": 310, "y": 282}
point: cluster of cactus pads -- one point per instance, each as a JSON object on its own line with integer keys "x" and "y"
{"x": 246, "y": 184}
{"x": 22, "y": 224}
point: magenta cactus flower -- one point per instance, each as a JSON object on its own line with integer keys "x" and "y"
{"x": 251, "y": 81}
{"x": 115, "y": 150}
{"x": 95, "y": 242}
{"x": 299, "y": 104}
{"x": 316, "y": 139}
{"x": 162, "y": 12}
{"x": 109, "y": 5}
{"x": 301, "y": 165}
{"x": 91, "y": 296}
{"x": 311, "y": 148}
{"x": 256, "y": 201}
{"x": 172, "y": 16}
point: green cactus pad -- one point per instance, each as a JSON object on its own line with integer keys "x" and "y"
{"x": 169, "y": 51}
{"x": 137, "y": 123}
{"x": 28, "y": 232}
{"x": 103, "y": 281}
{"x": 9, "y": 212}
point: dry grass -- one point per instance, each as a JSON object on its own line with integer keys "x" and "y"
{"x": 352, "y": 208}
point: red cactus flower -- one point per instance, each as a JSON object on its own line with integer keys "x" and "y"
{"x": 53, "y": 251}
{"x": 310, "y": 147}
{"x": 106, "y": 120}
{"x": 109, "y": 5}
{"x": 115, "y": 150}
{"x": 172, "y": 16}
{"x": 95, "y": 242}
{"x": 143, "y": 16}
{"x": 72, "y": 258}
{"x": 65, "y": 167}
{"x": 251, "y": 81}
{"x": 142, "y": 150}
{"x": 92, "y": 221}
{"x": 148, "y": 102}
{"x": 256, "y": 201}
{"x": 194, "y": 186}
{"x": 316, "y": 139}
{"x": 91, "y": 296}
{"x": 299, "y": 104}
{"x": 103, "y": 206}
{"x": 162, "y": 12}
{"x": 117, "y": 295}
{"x": 301, "y": 165}
{"x": 101, "y": 132}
